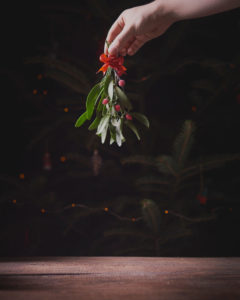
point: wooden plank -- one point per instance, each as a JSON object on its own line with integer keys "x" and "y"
{"x": 128, "y": 278}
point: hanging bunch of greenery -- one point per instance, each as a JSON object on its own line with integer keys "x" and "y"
{"x": 113, "y": 108}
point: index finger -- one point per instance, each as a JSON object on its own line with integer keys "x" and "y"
{"x": 114, "y": 31}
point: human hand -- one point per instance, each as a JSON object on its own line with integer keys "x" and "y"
{"x": 137, "y": 25}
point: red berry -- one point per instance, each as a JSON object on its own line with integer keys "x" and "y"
{"x": 117, "y": 107}
{"x": 105, "y": 101}
{"x": 128, "y": 117}
{"x": 121, "y": 83}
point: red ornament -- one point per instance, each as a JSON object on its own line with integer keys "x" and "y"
{"x": 114, "y": 62}
{"x": 105, "y": 101}
{"x": 117, "y": 107}
{"x": 121, "y": 83}
{"x": 47, "y": 164}
{"x": 202, "y": 199}
{"x": 128, "y": 117}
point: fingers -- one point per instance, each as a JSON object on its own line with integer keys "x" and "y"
{"x": 120, "y": 41}
{"x": 124, "y": 50}
{"x": 135, "y": 46}
{"x": 113, "y": 32}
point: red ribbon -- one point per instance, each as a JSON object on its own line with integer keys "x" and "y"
{"x": 114, "y": 62}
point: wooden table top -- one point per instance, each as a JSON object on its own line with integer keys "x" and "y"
{"x": 127, "y": 278}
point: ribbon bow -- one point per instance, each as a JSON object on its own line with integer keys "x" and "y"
{"x": 114, "y": 62}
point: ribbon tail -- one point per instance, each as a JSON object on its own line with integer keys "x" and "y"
{"x": 103, "y": 68}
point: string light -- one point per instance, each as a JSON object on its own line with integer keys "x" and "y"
{"x": 194, "y": 108}
{"x": 63, "y": 159}
{"x": 39, "y": 76}
{"x": 122, "y": 218}
{"x": 45, "y": 92}
{"x": 66, "y": 109}
{"x": 35, "y": 92}
{"x": 21, "y": 176}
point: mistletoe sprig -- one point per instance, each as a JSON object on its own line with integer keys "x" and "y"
{"x": 113, "y": 108}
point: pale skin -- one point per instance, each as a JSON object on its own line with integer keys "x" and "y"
{"x": 138, "y": 25}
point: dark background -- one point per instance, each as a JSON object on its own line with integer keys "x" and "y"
{"x": 191, "y": 72}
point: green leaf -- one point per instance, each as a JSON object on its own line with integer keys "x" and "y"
{"x": 112, "y": 133}
{"x": 141, "y": 118}
{"x": 104, "y": 110}
{"x": 119, "y": 136}
{"x": 106, "y": 83}
{"x": 103, "y": 123}
{"x": 92, "y": 99}
{"x": 133, "y": 128}
{"x": 111, "y": 140}
{"x": 81, "y": 119}
{"x": 110, "y": 90}
{"x": 95, "y": 123}
{"x": 100, "y": 105}
{"x": 123, "y": 98}
{"x": 104, "y": 133}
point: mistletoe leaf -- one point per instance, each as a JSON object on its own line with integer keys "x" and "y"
{"x": 141, "y": 118}
{"x": 103, "y": 123}
{"x": 111, "y": 140}
{"x": 106, "y": 83}
{"x": 119, "y": 136}
{"x": 100, "y": 105}
{"x": 123, "y": 98}
{"x": 95, "y": 123}
{"x": 110, "y": 89}
{"x": 104, "y": 110}
{"x": 104, "y": 133}
{"x": 92, "y": 98}
{"x": 112, "y": 134}
{"x": 133, "y": 128}
{"x": 81, "y": 119}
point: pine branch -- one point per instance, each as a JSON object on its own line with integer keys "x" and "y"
{"x": 68, "y": 81}
{"x": 208, "y": 164}
{"x": 151, "y": 215}
{"x": 183, "y": 143}
{"x": 192, "y": 220}
{"x": 139, "y": 159}
{"x": 166, "y": 165}
{"x": 46, "y": 131}
{"x": 151, "y": 180}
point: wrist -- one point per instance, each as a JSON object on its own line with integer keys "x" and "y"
{"x": 166, "y": 8}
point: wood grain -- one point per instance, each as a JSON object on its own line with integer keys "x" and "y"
{"x": 125, "y": 278}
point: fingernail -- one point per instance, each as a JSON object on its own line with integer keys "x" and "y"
{"x": 130, "y": 51}
{"x": 111, "y": 51}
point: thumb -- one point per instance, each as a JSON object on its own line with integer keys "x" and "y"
{"x": 120, "y": 41}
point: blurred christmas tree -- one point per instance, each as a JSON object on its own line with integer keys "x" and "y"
{"x": 74, "y": 196}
